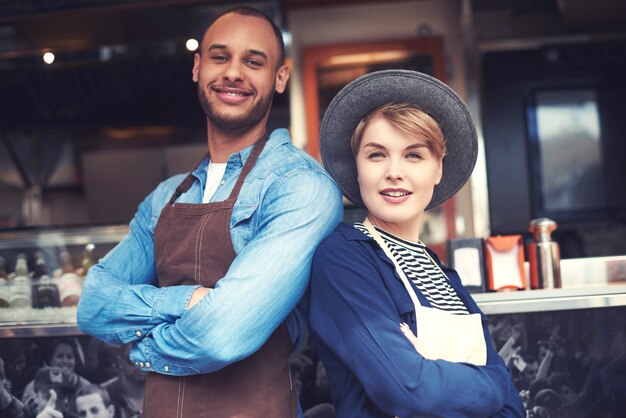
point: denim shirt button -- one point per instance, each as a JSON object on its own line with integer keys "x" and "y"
{"x": 147, "y": 364}
{"x": 141, "y": 364}
{"x": 167, "y": 369}
{"x": 138, "y": 333}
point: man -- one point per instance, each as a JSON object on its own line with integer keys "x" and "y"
{"x": 10, "y": 405}
{"x": 54, "y": 393}
{"x": 208, "y": 291}
{"x": 126, "y": 389}
{"x": 92, "y": 401}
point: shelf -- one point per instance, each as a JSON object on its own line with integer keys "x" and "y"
{"x": 47, "y": 322}
{"x": 544, "y": 300}
{"x": 48, "y": 330}
{"x": 62, "y": 237}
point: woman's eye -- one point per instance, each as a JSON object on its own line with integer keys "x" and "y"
{"x": 375, "y": 155}
{"x": 414, "y": 155}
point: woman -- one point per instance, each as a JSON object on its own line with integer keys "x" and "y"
{"x": 372, "y": 283}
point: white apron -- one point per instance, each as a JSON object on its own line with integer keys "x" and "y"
{"x": 441, "y": 335}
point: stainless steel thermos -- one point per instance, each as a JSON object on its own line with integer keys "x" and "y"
{"x": 543, "y": 255}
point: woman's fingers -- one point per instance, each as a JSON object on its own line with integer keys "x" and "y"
{"x": 409, "y": 334}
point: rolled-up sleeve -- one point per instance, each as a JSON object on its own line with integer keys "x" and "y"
{"x": 262, "y": 286}
{"x": 353, "y": 315}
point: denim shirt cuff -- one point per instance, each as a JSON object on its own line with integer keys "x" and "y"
{"x": 172, "y": 302}
{"x": 143, "y": 357}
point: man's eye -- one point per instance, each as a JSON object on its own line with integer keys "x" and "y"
{"x": 254, "y": 63}
{"x": 218, "y": 58}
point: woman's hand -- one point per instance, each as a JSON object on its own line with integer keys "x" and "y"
{"x": 409, "y": 334}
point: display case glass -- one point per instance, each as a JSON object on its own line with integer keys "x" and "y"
{"x": 41, "y": 275}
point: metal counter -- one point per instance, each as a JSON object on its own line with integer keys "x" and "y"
{"x": 587, "y": 283}
{"x": 552, "y": 300}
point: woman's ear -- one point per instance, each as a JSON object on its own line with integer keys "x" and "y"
{"x": 439, "y": 172}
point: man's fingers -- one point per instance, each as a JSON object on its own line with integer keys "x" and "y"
{"x": 52, "y": 400}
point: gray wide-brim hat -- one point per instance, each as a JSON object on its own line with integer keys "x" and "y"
{"x": 375, "y": 89}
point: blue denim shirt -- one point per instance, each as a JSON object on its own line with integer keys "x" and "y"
{"x": 357, "y": 303}
{"x": 286, "y": 206}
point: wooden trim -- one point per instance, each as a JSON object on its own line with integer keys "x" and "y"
{"x": 294, "y": 5}
{"x": 314, "y": 56}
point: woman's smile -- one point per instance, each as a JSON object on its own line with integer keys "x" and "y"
{"x": 395, "y": 195}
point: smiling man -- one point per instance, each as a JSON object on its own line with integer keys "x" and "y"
{"x": 207, "y": 282}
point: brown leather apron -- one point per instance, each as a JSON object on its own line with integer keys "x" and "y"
{"x": 193, "y": 246}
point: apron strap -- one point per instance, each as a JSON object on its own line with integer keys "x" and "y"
{"x": 405, "y": 281}
{"x": 254, "y": 155}
{"x": 182, "y": 188}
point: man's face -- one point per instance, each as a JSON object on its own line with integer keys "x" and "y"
{"x": 92, "y": 406}
{"x": 15, "y": 367}
{"x": 237, "y": 72}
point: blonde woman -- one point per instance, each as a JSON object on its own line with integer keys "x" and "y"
{"x": 397, "y": 332}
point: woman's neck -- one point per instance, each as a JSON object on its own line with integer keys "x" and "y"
{"x": 408, "y": 231}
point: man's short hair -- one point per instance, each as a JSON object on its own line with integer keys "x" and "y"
{"x": 55, "y": 378}
{"x": 251, "y": 11}
{"x": 90, "y": 389}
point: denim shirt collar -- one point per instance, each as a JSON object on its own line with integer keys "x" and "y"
{"x": 238, "y": 159}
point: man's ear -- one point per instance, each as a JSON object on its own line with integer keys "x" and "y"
{"x": 282, "y": 76}
{"x": 196, "y": 67}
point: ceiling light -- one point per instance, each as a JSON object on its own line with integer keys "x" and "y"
{"x": 191, "y": 44}
{"x": 48, "y": 57}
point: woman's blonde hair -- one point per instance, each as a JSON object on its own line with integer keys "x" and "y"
{"x": 408, "y": 118}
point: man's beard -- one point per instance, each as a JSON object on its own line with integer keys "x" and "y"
{"x": 235, "y": 123}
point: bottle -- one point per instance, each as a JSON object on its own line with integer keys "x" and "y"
{"x": 88, "y": 259}
{"x": 4, "y": 284}
{"x": 20, "y": 285}
{"x": 70, "y": 284}
{"x": 543, "y": 255}
{"x": 45, "y": 291}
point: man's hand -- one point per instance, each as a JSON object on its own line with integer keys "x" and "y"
{"x": 49, "y": 410}
{"x": 198, "y": 294}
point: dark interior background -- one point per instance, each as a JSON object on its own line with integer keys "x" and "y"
{"x": 84, "y": 140}
{"x": 510, "y": 80}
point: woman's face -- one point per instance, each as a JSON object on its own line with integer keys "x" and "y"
{"x": 397, "y": 175}
{"x": 63, "y": 357}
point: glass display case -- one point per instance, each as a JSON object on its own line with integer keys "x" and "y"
{"x": 41, "y": 275}
{"x": 565, "y": 347}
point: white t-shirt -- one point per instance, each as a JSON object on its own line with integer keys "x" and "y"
{"x": 214, "y": 175}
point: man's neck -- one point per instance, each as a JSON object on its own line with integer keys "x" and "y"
{"x": 223, "y": 144}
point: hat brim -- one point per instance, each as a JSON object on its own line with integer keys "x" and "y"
{"x": 375, "y": 89}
